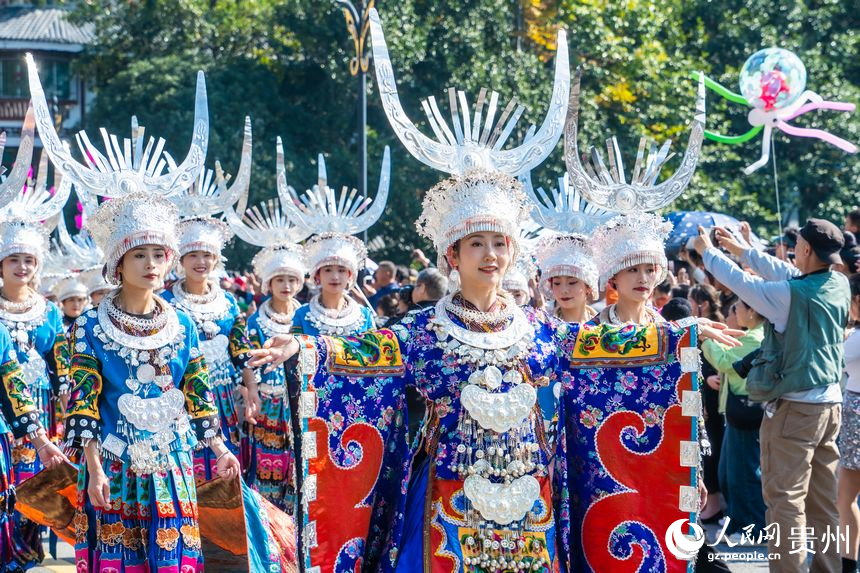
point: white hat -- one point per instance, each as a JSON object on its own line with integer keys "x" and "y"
{"x": 630, "y": 240}
{"x": 94, "y": 280}
{"x": 203, "y": 234}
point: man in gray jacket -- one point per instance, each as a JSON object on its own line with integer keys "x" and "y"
{"x": 797, "y": 375}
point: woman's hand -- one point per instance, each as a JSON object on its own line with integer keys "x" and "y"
{"x": 274, "y": 352}
{"x": 98, "y": 488}
{"x": 251, "y": 396}
{"x": 719, "y": 332}
{"x": 49, "y": 454}
{"x": 714, "y": 381}
{"x": 226, "y": 465}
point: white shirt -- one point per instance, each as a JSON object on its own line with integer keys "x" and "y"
{"x": 852, "y": 361}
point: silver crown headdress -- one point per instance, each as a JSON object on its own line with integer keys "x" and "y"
{"x": 336, "y": 249}
{"x": 209, "y": 194}
{"x": 607, "y": 188}
{"x": 483, "y": 194}
{"x": 279, "y": 259}
{"x": 17, "y": 177}
{"x": 568, "y": 255}
{"x": 126, "y": 168}
{"x": 68, "y": 286}
{"x": 94, "y": 280}
{"x": 132, "y": 221}
{"x": 630, "y": 240}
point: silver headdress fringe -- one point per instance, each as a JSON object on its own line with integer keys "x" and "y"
{"x": 279, "y": 259}
{"x": 567, "y": 256}
{"x": 630, "y": 240}
{"x": 132, "y": 221}
{"x": 608, "y": 188}
{"x": 335, "y": 249}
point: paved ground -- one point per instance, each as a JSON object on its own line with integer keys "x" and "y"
{"x": 65, "y": 561}
{"x": 746, "y": 563}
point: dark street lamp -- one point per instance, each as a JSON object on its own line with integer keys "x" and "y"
{"x": 358, "y": 26}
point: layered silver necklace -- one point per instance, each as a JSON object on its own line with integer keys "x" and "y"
{"x": 336, "y": 322}
{"x": 653, "y": 316}
{"x": 150, "y": 423}
{"x": 206, "y": 309}
{"x": 497, "y": 449}
{"x": 272, "y": 322}
{"x": 22, "y": 317}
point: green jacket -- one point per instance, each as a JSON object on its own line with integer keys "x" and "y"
{"x": 722, "y": 357}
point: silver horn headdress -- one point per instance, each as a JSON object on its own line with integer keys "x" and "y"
{"x": 321, "y": 210}
{"x": 475, "y": 142}
{"x": 17, "y": 177}
{"x": 607, "y": 187}
{"x": 563, "y": 209}
{"x": 210, "y": 194}
{"x": 483, "y": 194}
{"x": 128, "y": 167}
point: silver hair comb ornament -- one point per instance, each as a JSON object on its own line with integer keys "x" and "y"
{"x": 79, "y": 251}
{"x": 12, "y": 184}
{"x": 563, "y": 209}
{"x": 322, "y": 211}
{"x": 128, "y": 167}
{"x": 477, "y": 139}
{"x": 209, "y": 194}
{"x": 606, "y": 187}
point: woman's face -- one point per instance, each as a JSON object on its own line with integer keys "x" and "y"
{"x": 568, "y": 292}
{"x": 284, "y": 287}
{"x": 699, "y": 308}
{"x": 747, "y": 318}
{"x": 334, "y": 279}
{"x": 732, "y": 318}
{"x": 74, "y": 306}
{"x": 637, "y": 283}
{"x": 144, "y": 267}
{"x": 19, "y": 269}
{"x": 521, "y": 297}
{"x": 198, "y": 265}
{"x": 482, "y": 259}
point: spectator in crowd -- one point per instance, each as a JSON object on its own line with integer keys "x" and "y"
{"x": 662, "y": 294}
{"x": 852, "y": 222}
{"x": 401, "y": 275}
{"x": 680, "y": 291}
{"x": 386, "y": 308}
{"x": 849, "y": 439}
{"x": 419, "y": 260}
{"x": 676, "y": 309}
{"x": 705, "y": 302}
{"x": 430, "y": 286}
{"x": 739, "y": 466}
{"x": 383, "y": 282}
{"x": 797, "y": 374}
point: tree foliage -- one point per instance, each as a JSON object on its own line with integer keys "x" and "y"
{"x": 285, "y": 63}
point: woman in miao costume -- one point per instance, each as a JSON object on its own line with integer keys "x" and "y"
{"x": 632, "y": 445}
{"x": 34, "y": 361}
{"x": 141, "y": 401}
{"x": 221, "y": 326}
{"x": 334, "y": 256}
{"x": 281, "y": 270}
{"x": 475, "y": 494}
